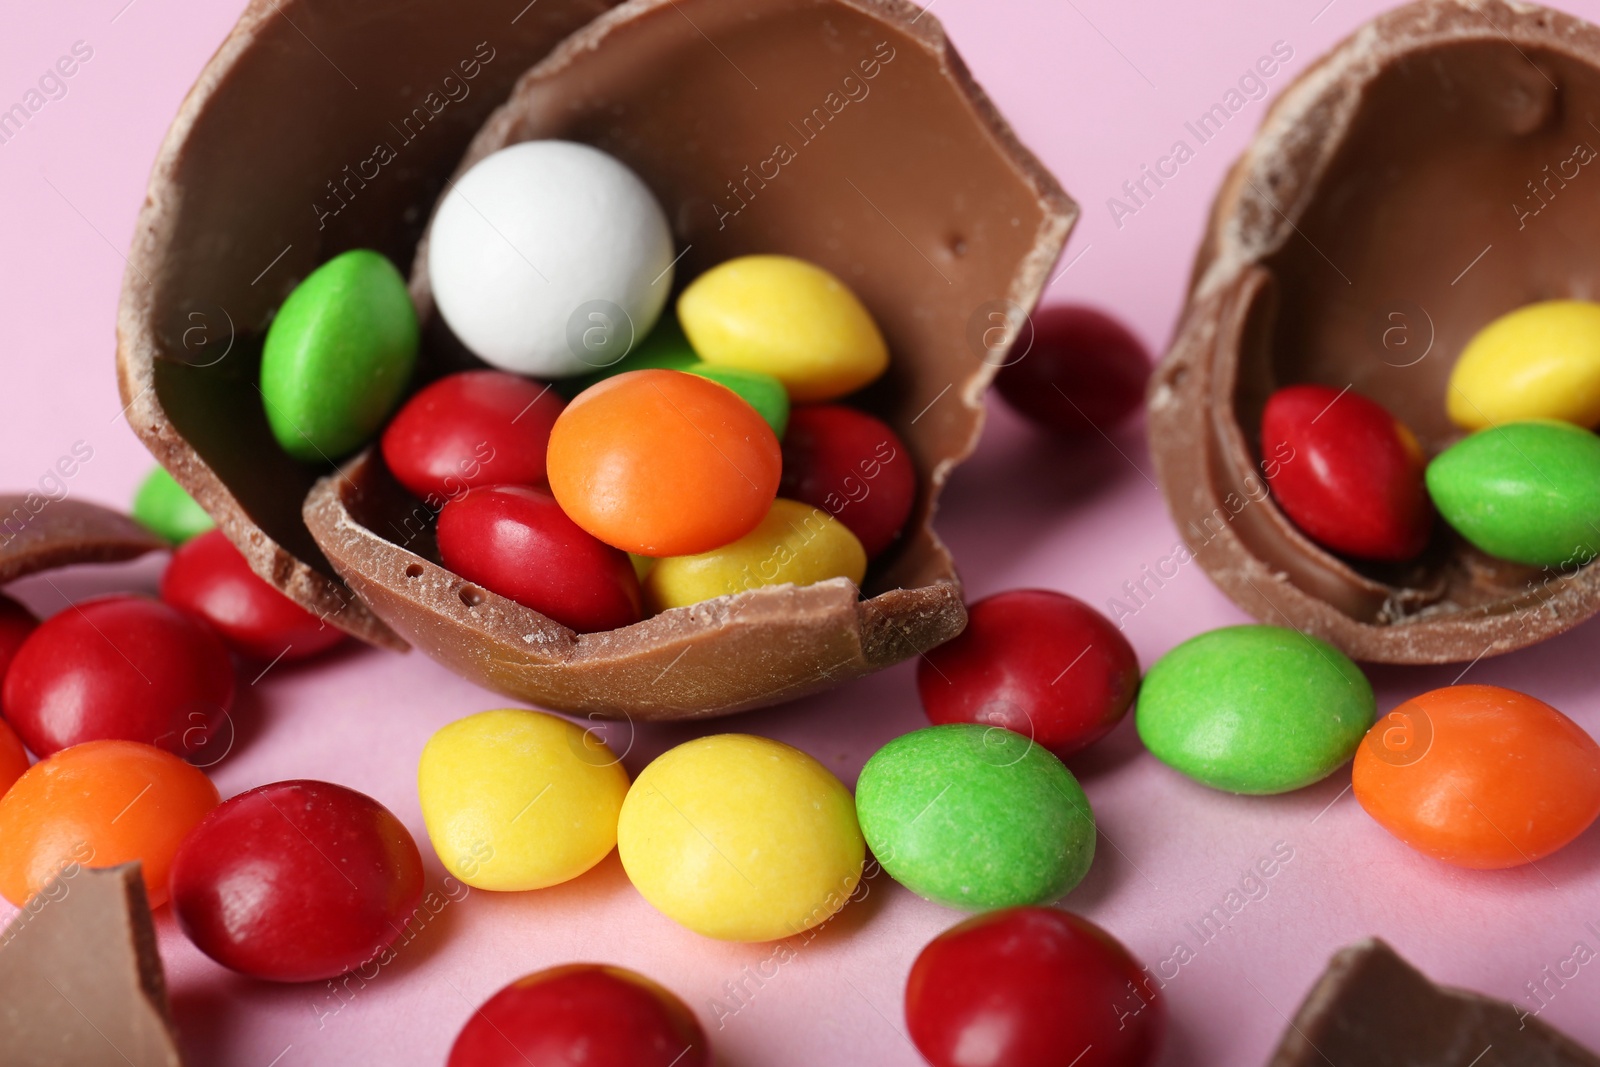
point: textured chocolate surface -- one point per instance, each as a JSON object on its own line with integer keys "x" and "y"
{"x": 1371, "y": 1008}
{"x": 1383, "y": 214}
{"x": 81, "y": 983}
{"x": 38, "y": 534}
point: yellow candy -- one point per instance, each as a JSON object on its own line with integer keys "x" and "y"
{"x": 741, "y": 838}
{"x": 519, "y": 799}
{"x": 1541, "y": 361}
{"x": 796, "y": 543}
{"x": 787, "y": 318}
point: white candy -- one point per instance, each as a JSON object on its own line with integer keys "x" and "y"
{"x": 535, "y": 249}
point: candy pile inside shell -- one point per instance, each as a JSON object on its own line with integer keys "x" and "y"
{"x": 1407, "y": 189}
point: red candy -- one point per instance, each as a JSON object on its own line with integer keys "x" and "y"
{"x": 126, "y": 668}
{"x": 13, "y": 759}
{"x": 16, "y": 623}
{"x": 1042, "y": 664}
{"x": 1032, "y": 987}
{"x": 1083, "y": 373}
{"x": 296, "y": 881}
{"x": 582, "y": 1015}
{"x": 516, "y": 541}
{"x": 1346, "y": 472}
{"x": 481, "y": 427}
{"x": 852, "y": 466}
{"x": 209, "y": 578}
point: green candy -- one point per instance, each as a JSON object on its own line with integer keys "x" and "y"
{"x": 761, "y": 391}
{"x": 338, "y": 356}
{"x": 162, "y": 507}
{"x": 1528, "y": 492}
{"x": 1254, "y": 709}
{"x": 665, "y": 349}
{"x": 975, "y": 817}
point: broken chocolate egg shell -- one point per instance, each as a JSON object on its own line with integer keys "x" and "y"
{"x": 1382, "y": 216}
{"x": 903, "y": 181}
{"x": 40, "y": 534}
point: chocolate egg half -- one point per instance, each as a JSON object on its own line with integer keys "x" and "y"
{"x": 1414, "y": 184}
{"x": 847, "y": 132}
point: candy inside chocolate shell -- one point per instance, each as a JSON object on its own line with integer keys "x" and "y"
{"x": 1397, "y": 198}
{"x": 897, "y": 175}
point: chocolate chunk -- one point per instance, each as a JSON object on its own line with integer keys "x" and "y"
{"x": 38, "y": 534}
{"x": 866, "y": 148}
{"x": 1383, "y": 214}
{"x": 1371, "y": 1008}
{"x": 81, "y": 983}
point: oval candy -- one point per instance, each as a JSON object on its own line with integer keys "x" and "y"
{"x": 1541, "y": 361}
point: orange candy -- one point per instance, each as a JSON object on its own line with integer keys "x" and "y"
{"x": 1479, "y": 776}
{"x": 99, "y": 804}
{"x": 663, "y": 463}
{"x": 13, "y": 758}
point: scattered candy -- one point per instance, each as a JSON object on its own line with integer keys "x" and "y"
{"x": 164, "y": 508}
{"x": 550, "y": 258}
{"x": 663, "y": 463}
{"x": 119, "y": 667}
{"x": 741, "y": 838}
{"x": 13, "y": 757}
{"x": 1541, "y": 361}
{"x": 1041, "y": 664}
{"x": 795, "y": 543}
{"x": 208, "y": 578}
{"x": 1528, "y": 492}
{"x": 852, "y": 466}
{"x": 975, "y": 817}
{"x": 516, "y": 541}
{"x": 788, "y": 318}
{"x": 1254, "y": 709}
{"x": 99, "y": 804}
{"x": 1032, "y": 987}
{"x": 475, "y": 428}
{"x": 582, "y": 1015}
{"x": 338, "y": 356}
{"x": 296, "y": 881}
{"x": 1082, "y": 374}
{"x": 17, "y": 623}
{"x": 1479, "y": 776}
{"x": 1354, "y": 480}
{"x": 519, "y": 799}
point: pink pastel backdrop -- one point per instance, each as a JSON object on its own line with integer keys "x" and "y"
{"x": 1096, "y": 88}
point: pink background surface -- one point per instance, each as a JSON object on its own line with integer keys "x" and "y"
{"x": 1096, "y": 88}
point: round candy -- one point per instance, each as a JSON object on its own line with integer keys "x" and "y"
{"x": 164, "y": 508}
{"x": 1346, "y": 472}
{"x": 1528, "y": 492}
{"x": 852, "y": 466}
{"x": 663, "y": 463}
{"x": 99, "y": 804}
{"x": 1080, "y": 374}
{"x": 741, "y": 838}
{"x": 1254, "y": 709}
{"x": 975, "y": 817}
{"x": 479, "y": 427}
{"x": 13, "y": 757}
{"x": 1032, "y": 987}
{"x": 1479, "y": 776}
{"x": 296, "y": 881}
{"x": 788, "y": 318}
{"x": 582, "y": 1015}
{"x": 338, "y": 356}
{"x": 519, "y": 799}
{"x": 1541, "y": 361}
{"x": 208, "y": 578}
{"x": 17, "y": 623}
{"x": 124, "y": 667}
{"x": 516, "y": 541}
{"x": 794, "y": 544}
{"x": 1041, "y": 664}
{"x": 550, "y": 258}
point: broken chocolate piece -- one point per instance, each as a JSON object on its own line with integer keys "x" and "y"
{"x": 81, "y": 983}
{"x": 1371, "y": 1008}
{"x": 37, "y": 534}
{"x": 1379, "y": 219}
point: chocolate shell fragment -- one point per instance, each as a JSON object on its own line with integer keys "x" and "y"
{"x": 1371, "y": 1008}
{"x": 38, "y": 534}
{"x": 1397, "y": 198}
{"x": 81, "y": 983}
